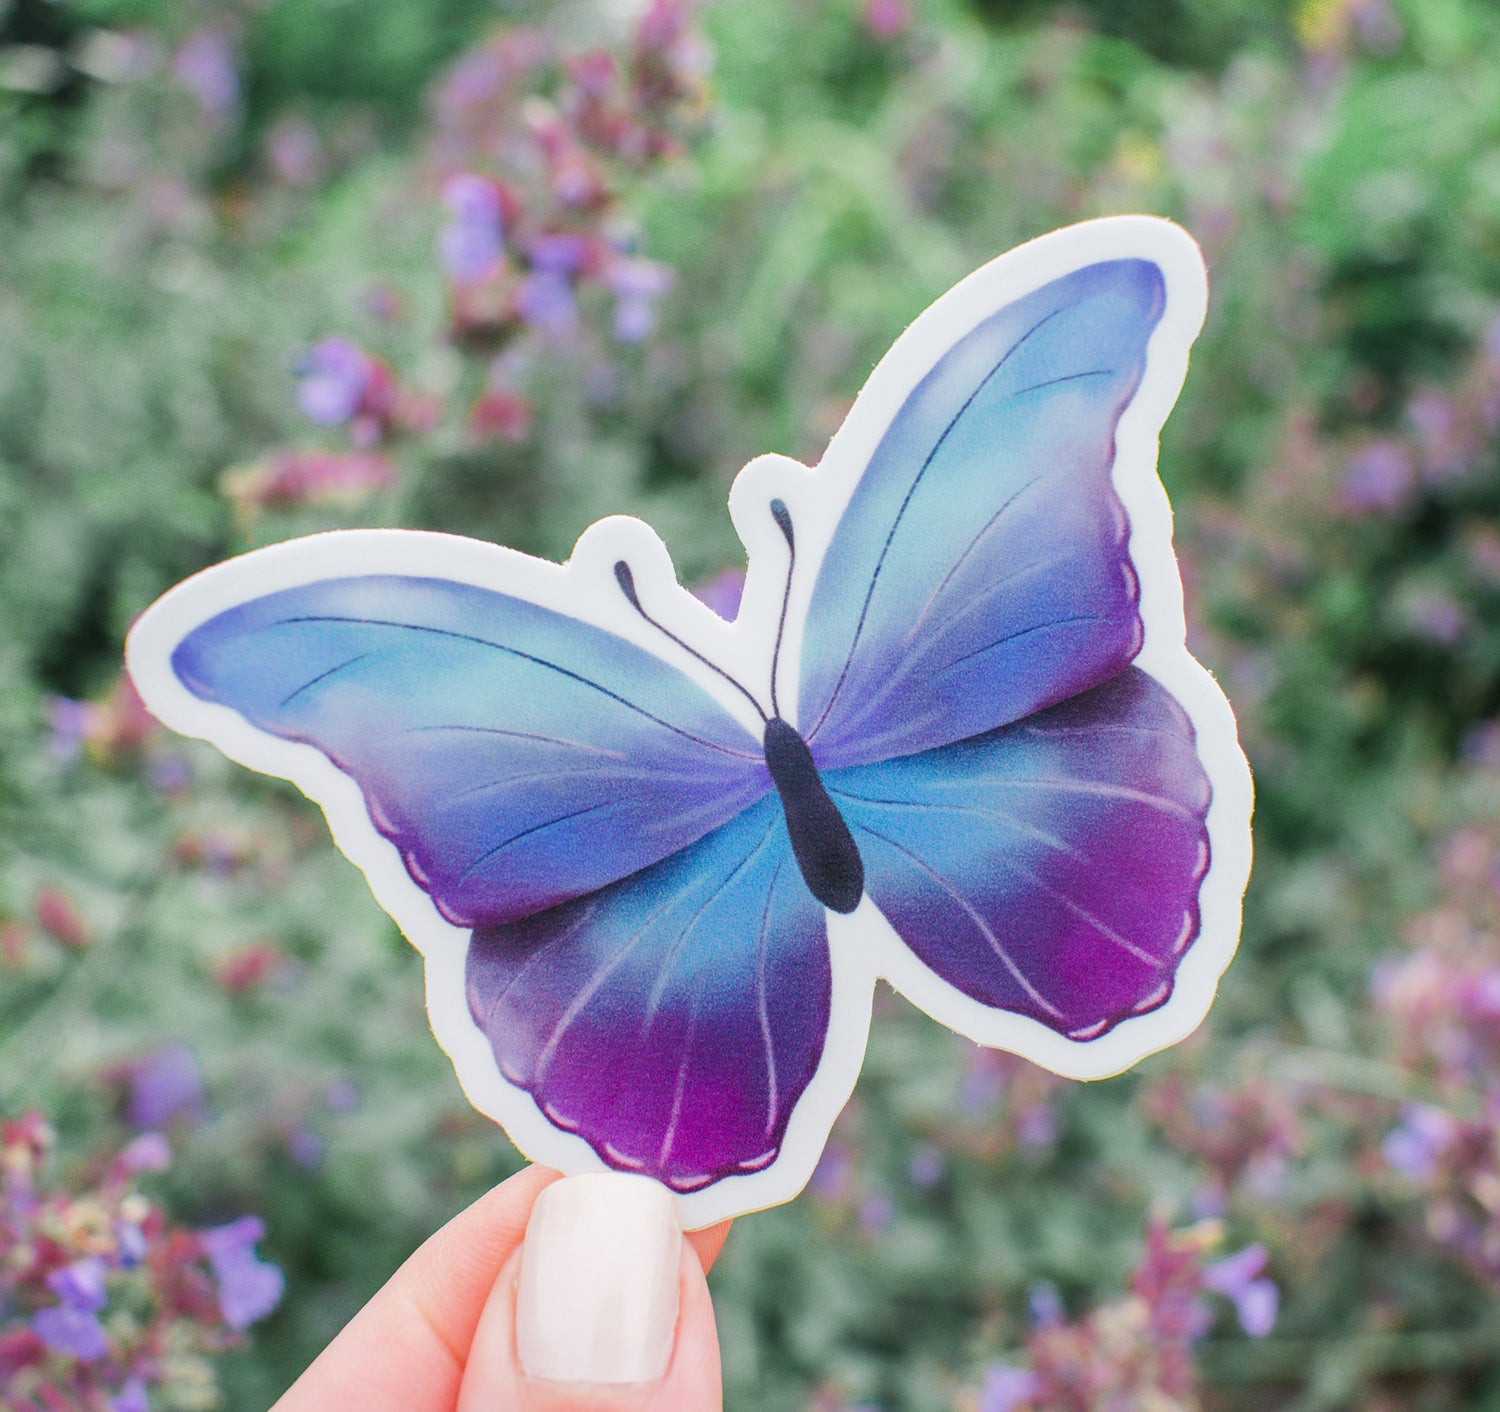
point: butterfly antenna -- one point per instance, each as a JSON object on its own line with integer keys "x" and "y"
{"x": 626, "y": 580}
{"x": 783, "y": 519}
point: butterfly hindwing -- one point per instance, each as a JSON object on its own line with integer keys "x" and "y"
{"x": 980, "y": 570}
{"x": 1050, "y": 868}
{"x": 673, "y": 1019}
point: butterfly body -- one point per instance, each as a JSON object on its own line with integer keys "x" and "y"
{"x": 656, "y": 861}
{"x": 821, "y": 842}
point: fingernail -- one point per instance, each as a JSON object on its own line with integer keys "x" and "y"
{"x": 598, "y": 1296}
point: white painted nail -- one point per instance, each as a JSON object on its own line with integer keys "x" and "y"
{"x": 599, "y": 1270}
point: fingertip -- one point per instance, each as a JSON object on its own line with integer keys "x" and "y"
{"x": 591, "y": 1303}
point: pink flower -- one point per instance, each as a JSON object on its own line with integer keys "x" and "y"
{"x": 60, "y": 919}
{"x": 887, "y": 19}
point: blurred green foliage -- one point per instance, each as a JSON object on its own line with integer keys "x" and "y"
{"x": 159, "y": 273}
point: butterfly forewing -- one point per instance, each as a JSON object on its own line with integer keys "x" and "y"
{"x": 516, "y": 757}
{"x": 980, "y": 570}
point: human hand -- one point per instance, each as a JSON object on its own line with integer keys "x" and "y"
{"x": 546, "y": 1295}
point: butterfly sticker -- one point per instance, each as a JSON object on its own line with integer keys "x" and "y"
{"x": 656, "y": 861}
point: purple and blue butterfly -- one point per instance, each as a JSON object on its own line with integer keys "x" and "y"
{"x": 656, "y": 861}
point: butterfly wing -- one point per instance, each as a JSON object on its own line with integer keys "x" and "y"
{"x": 674, "y": 1019}
{"x": 644, "y": 965}
{"x": 980, "y": 569}
{"x": 1048, "y": 869}
{"x": 515, "y": 756}
{"x": 1045, "y": 788}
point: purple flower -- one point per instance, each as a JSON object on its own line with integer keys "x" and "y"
{"x": 294, "y": 151}
{"x": 1377, "y": 25}
{"x": 130, "y": 1245}
{"x": 65, "y": 1329}
{"x": 1436, "y": 422}
{"x": 1045, "y": 1305}
{"x": 132, "y": 1398}
{"x": 204, "y": 65}
{"x": 166, "y": 1085}
{"x": 833, "y": 1175}
{"x": 1484, "y": 995}
{"x": 1413, "y": 1147}
{"x": 1257, "y": 1307}
{"x": 1378, "y": 477}
{"x": 1036, "y": 1126}
{"x": 1437, "y": 616}
{"x": 80, "y": 1285}
{"x": 249, "y": 1287}
{"x": 722, "y": 592}
{"x": 546, "y": 301}
{"x": 70, "y": 721}
{"x": 473, "y": 241}
{"x": 332, "y": 377}
{"x": 562, "y": 253}
{"x": 169, "y": 773}
{"x": 875, "y": 1213}
{"x": 306, "y": 1148}
{"x": 925, "y": 1167}
{"x": 637, "y": 284}
{"x": 1005, "y": 1388}
{"x": 982, "y": 1083}
{"x": 1240, "y": 1280}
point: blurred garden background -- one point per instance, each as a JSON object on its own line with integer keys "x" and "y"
{"x": 271, "y": 266}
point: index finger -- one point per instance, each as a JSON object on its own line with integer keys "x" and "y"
{"x": 405, "y": 1350}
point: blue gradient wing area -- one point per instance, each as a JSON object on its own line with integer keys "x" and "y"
{"x": 980, "y": 571}
{"x": 1050, "y": 868}
{"x": 515, "y": 756}
{"x": 673, "y": 1019}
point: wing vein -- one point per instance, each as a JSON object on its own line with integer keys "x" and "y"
{"x": 959, "y": 562}
{"x": 900, "y": 514}
{"x": 321, "y": 677}
{"x": 1051, "y": 840}
{"x": 1087, "y": 915}
{"x": 525, "y": 656}
{"x": 653, "y": 1002}
{"x": 519, "y": 735}
{"x": 489, "y": 853}
{"x": 995, "y": 944}
{"x": 538, "y": 952}
{"x": 763, "y": 1006}
{"x": 610, "y": 965}
{"x": 1016, "y": 636}
{"x": 1100, "y": 790}
{"x": 670, "y": 1136}
{"x": 1066, "y": 377}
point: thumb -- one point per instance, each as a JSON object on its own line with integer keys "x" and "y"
{"x": 603, "y": 1307}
